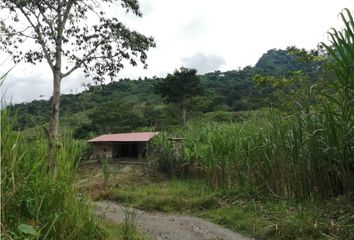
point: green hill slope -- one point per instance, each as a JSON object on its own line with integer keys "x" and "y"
{"x": 128, "y": 105}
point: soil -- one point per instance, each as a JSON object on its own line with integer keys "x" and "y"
{"x": 161, "y": 226}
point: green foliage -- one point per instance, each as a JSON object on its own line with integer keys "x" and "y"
{"x": 286, "y": 219}
{"x": 291, "y": 91}
{"x": 174, "y": 196}
{"x": 62, "y": 32}
{"x": 129, "y": 224}
{"x": 117, "y": 116}
{"x": 106, "y": 171}
{"x": 281, "y": 62}
{"x": 299, "y": 85}
{"x": 130, "y": 105}
{"x": 34, "y": 204}
{"x": 163, "y": 157}
{"x": 180, "y": 88}
{"x": 25, "y": 231}
{"x": 339, "y": 110}
{"x": 116, "y": 231}
{"x": 274, "y": 153}
{"x": 227, "y": 117}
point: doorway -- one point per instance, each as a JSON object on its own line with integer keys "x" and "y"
{"x": 125, "y": 150}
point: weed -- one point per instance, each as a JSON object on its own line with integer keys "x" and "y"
{"x": 129, "y": 225}
{"x": 106, "y": 171}
{"x": 35, "y": 204}
{"x": 115, "y": 231}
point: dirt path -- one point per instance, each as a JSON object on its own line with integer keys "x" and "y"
{"x": 161, "y": 226}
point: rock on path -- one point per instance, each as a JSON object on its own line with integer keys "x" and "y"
{"x": 163, "y": 226}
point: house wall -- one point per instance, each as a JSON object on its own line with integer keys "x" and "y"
{"x": 101, "y": 151}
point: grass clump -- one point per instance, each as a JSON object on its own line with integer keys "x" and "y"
{"x": 118, "y": 231}
{"x": 34, "y": 203}
{"x": 106, "y": 171}
{"x": 129, "y": 225}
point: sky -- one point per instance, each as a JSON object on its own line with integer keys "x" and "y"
{"x": 203, "y": 34}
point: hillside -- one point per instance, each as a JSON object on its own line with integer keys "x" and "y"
{"x": 128, "y": 105}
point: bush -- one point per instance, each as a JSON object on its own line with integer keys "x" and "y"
{"x": 36, "y": 204}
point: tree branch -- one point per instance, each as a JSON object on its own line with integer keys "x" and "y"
{"x": 40, "y": 38}
{"x": 78, "y": 63}
{"x": 66, "y": 15}
{"x": 50, "y": 24}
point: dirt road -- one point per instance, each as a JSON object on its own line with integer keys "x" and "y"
{"x": 161, "y": 226}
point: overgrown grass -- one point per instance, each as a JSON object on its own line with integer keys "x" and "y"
{"x": 262, "y": 218}
{"x": 279, "y": 154}
{"x": 34, "y": 203}
{"x": 286, "y": 219}
{"x": 171, "y": 196}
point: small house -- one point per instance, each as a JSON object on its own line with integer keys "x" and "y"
{"x": 121, "y": 146}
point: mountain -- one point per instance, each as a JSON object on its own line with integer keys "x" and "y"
{"x": 128, "y": 105}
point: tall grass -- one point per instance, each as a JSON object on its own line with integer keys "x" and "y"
{"x": 310, "y": 152}
{"x": 280, "y": 154}
{"x": 339, "y": 113}
{"x": 284, "y": 155}
{"x": 129, "y": 224}
{"x": 106, "y": 171}
{"x": 35, "y": 204}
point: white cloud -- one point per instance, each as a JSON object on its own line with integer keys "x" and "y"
{"x": 203, "y": 63}
{"x": 22, "y": 85}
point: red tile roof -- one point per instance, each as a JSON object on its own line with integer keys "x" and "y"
{"x": 125, "y": 137}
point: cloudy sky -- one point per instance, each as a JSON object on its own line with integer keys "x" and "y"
{"x": 203, "y": 34}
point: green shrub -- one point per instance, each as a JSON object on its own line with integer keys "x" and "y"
{"x": 34, "y": 203}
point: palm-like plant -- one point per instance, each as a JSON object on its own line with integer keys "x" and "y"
{"x": 340, "y": 112}
{"x": 341, "y": 62}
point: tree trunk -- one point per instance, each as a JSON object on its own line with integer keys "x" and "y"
{"x": 53, "y": 143}
{"x": 53, "y": 133}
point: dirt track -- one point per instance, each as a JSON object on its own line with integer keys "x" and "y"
{"x": 163, "y": 226}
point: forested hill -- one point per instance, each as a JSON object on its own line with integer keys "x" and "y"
{"x": 133, "y": 104}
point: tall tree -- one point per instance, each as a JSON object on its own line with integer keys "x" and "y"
{"x": 180, "y": 88}
{"x": 71, "y": 34}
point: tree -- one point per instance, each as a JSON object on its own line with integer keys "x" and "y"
{"x": 119, "y": 115}
{"x": 180, "y": 88}
{"x": 71, "y": 34}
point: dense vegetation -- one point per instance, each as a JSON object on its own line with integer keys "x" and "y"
{"x": 273, "y": 153}
{"x": 300, "y": 150}
{"x": 129, "y": 105}
{"x": 35, "y": 204}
